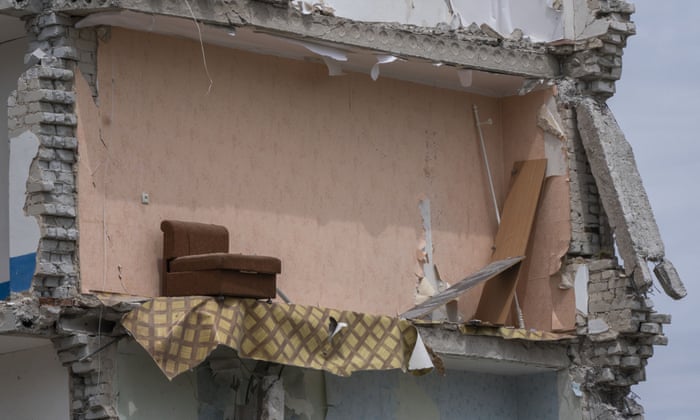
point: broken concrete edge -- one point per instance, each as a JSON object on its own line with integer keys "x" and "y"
{"x": 670, "y": 280}
{"x": 86, "y": 315}
{"x": 469, "y": 47}
{"x": 624, "y": 198}
{"x": 91, "y": 361}
{"x": 632, "y": 333}
{"x": 86, "y": 344}
{"x": 20, "y": 8}
{"x": 54, "y": 28}
{"x": 590, "y": 234}
{"x": 446, "y": 342}
{"x": 618, "y": 328}
{"x": 616, "y": 338}
{"x": 83, "y": 331}
{"x": 22, "y": 314}
{"x": 43, "y": 106}
{"x": 596, "y": 60}
{"x": 80, "y": 330}
{"x": 27, "y": 314}
{"x": 604, "y": 363}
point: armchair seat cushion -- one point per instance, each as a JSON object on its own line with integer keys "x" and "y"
{"x": 225, "y": 261}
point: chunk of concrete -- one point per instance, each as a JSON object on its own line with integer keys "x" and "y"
{"x": 670, "y": 280}
{"x": 272, "y": 399}
{"x": 650, "y": 328}
{"x": 8, "y": 320}
{"x": 597, "y": 326}
{"x": 641, "y": 276}
{"x": 620, "y": 187}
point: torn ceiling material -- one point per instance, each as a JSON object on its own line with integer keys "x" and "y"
{"x": 624, "y": 198}
{"x": 179, "y": 333}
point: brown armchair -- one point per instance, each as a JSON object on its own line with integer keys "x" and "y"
{"x": 196, "y": 262}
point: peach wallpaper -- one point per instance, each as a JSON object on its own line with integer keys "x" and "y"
{"x": 325, "y": 173}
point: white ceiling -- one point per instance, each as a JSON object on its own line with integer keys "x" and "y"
{"x": 348, "y": 59}
{"x": 492, "y": 366}
{"x": 12, "y": 343}
{"x": 10, "y": 28}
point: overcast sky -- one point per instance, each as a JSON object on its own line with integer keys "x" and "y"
{"x": 658, "y": 106}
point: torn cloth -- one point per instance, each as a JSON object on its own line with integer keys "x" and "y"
{"x": 180, "y": 332}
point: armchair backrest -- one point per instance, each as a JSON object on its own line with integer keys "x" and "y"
{"x": 190, "y": 238}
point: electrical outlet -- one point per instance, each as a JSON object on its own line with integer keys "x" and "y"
{"x": 145, "y": 198}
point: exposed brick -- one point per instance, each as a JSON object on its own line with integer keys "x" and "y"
{"x": 630, "y": 362}
{"x": 650, "y": 328}
{"x": 659, "y": 318}
{"x": 600, "y": 265}
{"x": 645, "y": 351}
{"x": 660, "y": 340}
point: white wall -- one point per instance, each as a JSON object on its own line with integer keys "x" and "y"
{"x": 12, "y": 59}
{"x": 33, "y": 385}
{"x": 144, "y": 391}
{"x": 459, "y": 394}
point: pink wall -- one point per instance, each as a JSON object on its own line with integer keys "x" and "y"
{"x": 545, "y": 306}
{"x": 323, "y": 172}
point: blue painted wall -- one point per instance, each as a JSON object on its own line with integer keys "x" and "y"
{"x": 21, "y": 273}
{"x": 11, "y": 67}
{"x": 4, "y": 289}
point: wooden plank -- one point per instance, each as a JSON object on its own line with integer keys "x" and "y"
{"x": 486, "y": 273}
{"x": 512, "y": 239}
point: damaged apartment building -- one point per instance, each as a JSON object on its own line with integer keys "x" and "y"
{"x": 343, "y": 209}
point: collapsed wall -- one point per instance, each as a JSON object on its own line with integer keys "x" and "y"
{"x": 617, "y": 330}
{"x": 42, "y": 111}
{"x": 618, "y": 326}
{"x": 42, "y": 116}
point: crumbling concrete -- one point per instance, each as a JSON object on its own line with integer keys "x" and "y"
{"x": 608, "y": 361}
{"x": 24, "y": 315}
{"x": 82, "y": 331}
{"x": 92, "y": 364}
{"x": 453, "y": 345}
{"x": 669, "y": 279}
{"x": 272, "y": 405}
{"x": 595, "y": 57}
{"x": 44, "y": 105}
{"x": 619, "y": 328}
{"x": 590, "y": 233}
{"x": 470, "y": 47}
{"x": 623, "y": 196}
{"x": 616, "y": 335}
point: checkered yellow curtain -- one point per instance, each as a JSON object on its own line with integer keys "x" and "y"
{"x": 179, "y": 333}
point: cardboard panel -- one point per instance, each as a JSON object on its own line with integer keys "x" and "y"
{"x": 512, "y": 238}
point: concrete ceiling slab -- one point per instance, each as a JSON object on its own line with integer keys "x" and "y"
{"x": 492, "y": 366}
{"x": 494, "y": 354}
{"x": 339, "y": 59}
